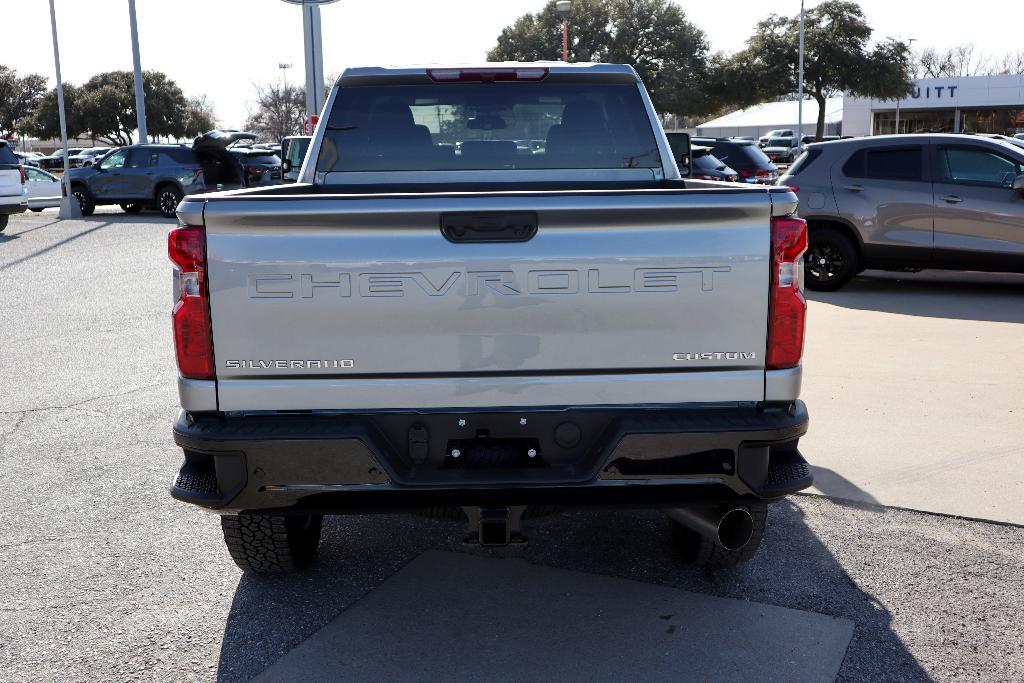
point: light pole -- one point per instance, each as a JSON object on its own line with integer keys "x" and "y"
{"x": 284, "y": 74}
{"x": 314, "y": 55}
{"x": 563, "y": 7}
{"x": 69, "y": 208}
{"x": 910, "y": 44}
{"x": 800, "y": 85}
{"x": 140, "y": 94}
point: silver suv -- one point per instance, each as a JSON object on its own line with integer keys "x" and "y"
{"x": 908, "y": 202}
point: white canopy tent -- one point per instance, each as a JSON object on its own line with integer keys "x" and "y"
{"x": 759, "y": 119}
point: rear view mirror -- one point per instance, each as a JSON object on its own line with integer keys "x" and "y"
{"x": 680, "y": 143}
{"x": 1018, "y": 183}
{"x": 486, "y": 122}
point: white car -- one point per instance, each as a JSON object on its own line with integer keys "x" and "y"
{"x": 13, "y": 196}
{"x": 43, "y": 189}
{"x": 88, "y": 156}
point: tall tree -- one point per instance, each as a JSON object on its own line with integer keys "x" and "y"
{"x": 44, "y": 121}
{"x": 670, "y": 53}
{"x": 837, "y": 57}
{"x": 107, "y": 106}
{"x": 19, "y": 96}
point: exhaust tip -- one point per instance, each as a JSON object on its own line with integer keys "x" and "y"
{"x": 735, "y": 529}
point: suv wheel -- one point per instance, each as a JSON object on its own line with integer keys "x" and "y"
{"x": 830, "y": 261}
{"x": 85, "y": 201}
{"x": 167, "y": 198}
{"x": 272, "y": 544}
{"x": 132, "y": 207}
{"x": 3, "y": 221}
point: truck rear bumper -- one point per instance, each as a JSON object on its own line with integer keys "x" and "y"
{"x": 338, "y": 463}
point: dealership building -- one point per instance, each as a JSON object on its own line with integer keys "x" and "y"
{"x": 975, "y": 104}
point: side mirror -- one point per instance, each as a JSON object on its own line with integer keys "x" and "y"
{"x": 286, "y": 165}
{"x": 1018, "y": 183}
{"x": 681, "y": 150}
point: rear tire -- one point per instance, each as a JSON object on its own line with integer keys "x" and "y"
{"x": 699, "y": 551}
{"x": 34, "y": 210}
{"x": 132, "y": 207}
{"x": 272, "y": 544}
{"x": 85, "y": 201}
{"x": 831, "y": 260}
{"x": 4, "y": 220}
{"x": 167, "y": 199}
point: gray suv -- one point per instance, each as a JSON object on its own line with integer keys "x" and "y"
{"x": 139, "y": 176}
{"x": 908, "y": 202}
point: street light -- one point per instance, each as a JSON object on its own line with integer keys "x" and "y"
{"x": 69, "y": 208}
{"x": 314, "y": 52}
{"x": 284, "y": 74}
{"x": 563, "y": 7}
{"x": 800, "y": 87}
{"x": 140, "y": 95}
{"x": 910, "y": 44}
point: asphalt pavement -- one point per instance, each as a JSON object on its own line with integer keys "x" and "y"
{"x": 105, "y": 577}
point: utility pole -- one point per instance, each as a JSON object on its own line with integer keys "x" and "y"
{"x": 140, "y": 94}
{"x": 69, "y": 207}
{"x": 800, "y": 87}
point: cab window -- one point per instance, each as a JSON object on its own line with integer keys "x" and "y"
{"x": 115, "y": 160}
{"x": 976, "y": 166}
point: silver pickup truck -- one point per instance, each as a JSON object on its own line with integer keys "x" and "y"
{"x": 491, "y": 293}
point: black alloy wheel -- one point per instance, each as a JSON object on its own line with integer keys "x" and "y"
{"x": 830, "y": 261}
{"x": 167, "y": 200}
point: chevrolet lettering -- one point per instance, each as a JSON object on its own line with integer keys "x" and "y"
{"x": 437, "y": 316}
{"x": 478, "y": 283}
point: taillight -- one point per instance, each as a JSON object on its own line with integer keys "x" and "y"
{"x": 488, "y": 75}
{"x": 193, "y": 337}
{"x": 24, "y": 176}
{"x": 745, "y": 173}
{"x": 762, "y": 173}
{"x": 255, "y": 170}
{"x": 787, "y": 308}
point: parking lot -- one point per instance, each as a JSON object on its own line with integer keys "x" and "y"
{"x": 915, "y": 389}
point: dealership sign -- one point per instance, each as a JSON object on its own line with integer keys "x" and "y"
{"x": 934, "y": 91}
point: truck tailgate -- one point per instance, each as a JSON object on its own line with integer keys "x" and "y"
{"x": 360, "y": 301}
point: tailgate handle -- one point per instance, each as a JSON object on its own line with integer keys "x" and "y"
{"x": 506, "y": 226}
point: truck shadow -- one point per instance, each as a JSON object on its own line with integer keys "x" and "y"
{"x": 989, "y": 297}
{"x": 39, "y": 252}
{"x": 794, "y": 568}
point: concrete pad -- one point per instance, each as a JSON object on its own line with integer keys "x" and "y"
{"x": 915, "y": 387}
{"x": 453, "y": 616}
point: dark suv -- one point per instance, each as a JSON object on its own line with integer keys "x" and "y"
{"x": 260, "y": 166}
{"x": 743, "y": 156}
{"x": 139, "y": 176}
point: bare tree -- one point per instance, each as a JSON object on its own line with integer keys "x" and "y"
{"x": 955, "y": 62}
{"x": 279, "y": 111}
{"x": 1012, "y": 64}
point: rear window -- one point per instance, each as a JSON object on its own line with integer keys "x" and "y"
{"x": 488, "y": 126}
{"x": 741, "y": 156}
{"x": 6, "y": 155}
{"x": 885, "y": 164}
{"x": 261, "y": 159}
{"x": 804, "y": 160}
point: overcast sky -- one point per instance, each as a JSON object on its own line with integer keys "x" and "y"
{"x": 220, "y": 48}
